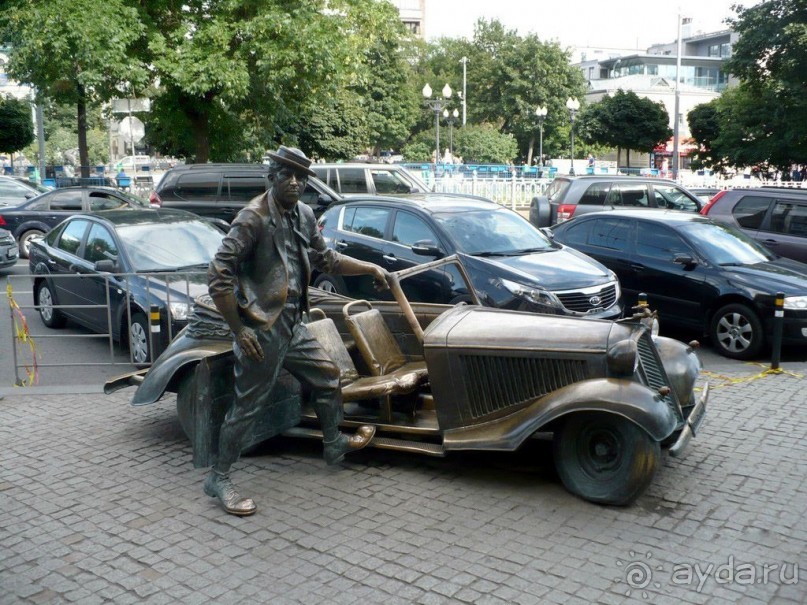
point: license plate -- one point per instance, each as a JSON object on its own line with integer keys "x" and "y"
{"x": 13, "y": 252}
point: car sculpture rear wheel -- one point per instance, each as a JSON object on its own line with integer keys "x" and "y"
{"x": 605, "y": 458}
{"x": 51, "y": 317}
{"x": 736, "y": 331}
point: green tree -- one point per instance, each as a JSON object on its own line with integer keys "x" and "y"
{"x": 74, "y": 51}
{"x": 16, "y": 126}
{"x": 762, "y": 120}
{"x": 625, "y": 121}
{"x": 508, "y": 77}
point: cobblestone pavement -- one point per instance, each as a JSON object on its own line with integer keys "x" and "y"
{"x": 99, "y": 503}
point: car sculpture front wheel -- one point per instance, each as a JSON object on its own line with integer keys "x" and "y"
{"x": 605, "y": 458}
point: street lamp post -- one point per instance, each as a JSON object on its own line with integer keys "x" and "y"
{"x": 541, "y": 112}
{"x": 451, "y": 118}
{"x": 436, "y": 105}
{"x": 572, "y": 104}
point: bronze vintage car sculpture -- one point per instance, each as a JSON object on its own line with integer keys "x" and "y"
{"x": 437, "y": 378}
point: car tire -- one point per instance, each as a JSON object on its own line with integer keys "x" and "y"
{"x": 331, "y": 283}
{"x": 25, "y": 241}
{"x": 605, "y": 458}
{"x": 52, "y": 318}
{"x": 139, "y": 349}
{"x": 736, "y": 332}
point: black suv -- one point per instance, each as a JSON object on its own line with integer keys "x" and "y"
{"x": 510, "y": 264}
{"x": 221, "y": 190}
{"x": 774, "y": 216}
{"x": 569, "y": 196}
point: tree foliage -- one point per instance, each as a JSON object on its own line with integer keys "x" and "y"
{"x": 625, "y": 121}
{"x": 74, "y": 51}
{"x": 16, "y": 127}
{"x": 761, "y": 121}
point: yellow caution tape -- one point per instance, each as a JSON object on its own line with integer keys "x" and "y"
{"x": 721, "y": 380}
{"x": 22, "y": 334}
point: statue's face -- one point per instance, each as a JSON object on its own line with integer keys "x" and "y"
{"x": 288, "y": 186}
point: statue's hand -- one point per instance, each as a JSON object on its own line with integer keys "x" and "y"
{"x": 248, "y": 342}
{"x": 380, "y": 278}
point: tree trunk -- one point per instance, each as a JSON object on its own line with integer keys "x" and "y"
{"x": 529, "y": 150}
{"x": 627, "y": 158}
{"x": 200, "y": 123}
{"x": 81, "y": 119}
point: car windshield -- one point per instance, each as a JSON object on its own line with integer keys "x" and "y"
{"x": 497, "y": 232}
{"x": 725, "y": 245}
{"x": 170, "y": 246}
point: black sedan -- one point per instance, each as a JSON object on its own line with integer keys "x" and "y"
{"x": 129, "y": 273}
{"x": 510, "y": 263}
{"x": 39, "y": 215}
{"x": 698, "y": 274}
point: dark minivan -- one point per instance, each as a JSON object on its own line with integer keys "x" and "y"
{"x": 220, "y": 190}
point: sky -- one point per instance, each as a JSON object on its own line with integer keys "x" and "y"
{"x": 623, "y": 24}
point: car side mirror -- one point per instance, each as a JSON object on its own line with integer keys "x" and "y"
{"x": 685, "y": 260}
{"x": 105, "y": 266}
{"x": 427, "y": 247}
{"x": 547, "y": 232}
{"x": 324, "y": 199}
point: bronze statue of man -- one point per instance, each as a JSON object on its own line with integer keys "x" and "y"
{"x": 258, "y": 280}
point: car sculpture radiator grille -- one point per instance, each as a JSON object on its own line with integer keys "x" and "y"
{"x": 651, "y": 370}
{"x": 589, "y": 299}
{"x": 496, "y": 383}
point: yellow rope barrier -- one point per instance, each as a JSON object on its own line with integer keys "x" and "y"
{"x": 22, "y": 334}
{"x": 723, "y": 380}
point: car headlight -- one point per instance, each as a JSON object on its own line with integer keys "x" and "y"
{"x": 179, "y": 310}
{"x": 623, "y": 358}
{"x": 796, "y": 303}
{"x": 538, "y": 296}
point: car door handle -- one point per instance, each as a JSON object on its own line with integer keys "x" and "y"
{"x": 341, "y": 244}
{"x": 637, "y": 267}
{"x": 77, "y": 269}
{"x": 390, "y": 258}
{"x": 770, "y": 242}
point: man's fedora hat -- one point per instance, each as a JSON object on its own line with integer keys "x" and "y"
{"x": 291, "y": 156}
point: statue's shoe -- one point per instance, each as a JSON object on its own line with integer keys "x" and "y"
{"x": 221, "y": 487}
{"x": 334, "y": 452}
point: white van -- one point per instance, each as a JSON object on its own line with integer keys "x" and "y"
{"x": 134, "y": 163}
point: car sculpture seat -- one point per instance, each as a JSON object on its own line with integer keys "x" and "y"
{"x": 380, "y": 351}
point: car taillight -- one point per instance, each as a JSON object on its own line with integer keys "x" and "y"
{"x": 2, "y": 220}
{"x": 705, "y": 210}
{"x": 154, "y": 200}
{"x": 565, "y": 212}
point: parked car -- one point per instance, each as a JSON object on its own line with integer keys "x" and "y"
{"x": 705, "y": 193}
{"x": 369, "y": 179}
{"x": 9, "y": 251}
{"x": 775, "y": 216}
{"x": 148, "y": 264}
{"x": 38, "y": 216}
{"x": 697, "y": 274}
{"x": 569, "y": 196}
{"x": 464, "y": 378}
{"x": 221, "y": 190}
{"x": 40, "y": 187}
{"x": 14, "y": 191}
{"x": 134, "y": 163}
{"x": 511, "y": 264}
